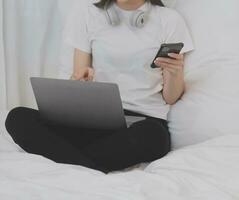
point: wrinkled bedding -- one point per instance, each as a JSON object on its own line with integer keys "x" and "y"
{"x": 209, "y": 170}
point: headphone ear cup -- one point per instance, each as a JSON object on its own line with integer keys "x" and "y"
{"x": 138, "y": 19}
{"x": 112, "y": 16}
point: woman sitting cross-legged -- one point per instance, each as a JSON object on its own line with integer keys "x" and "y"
{"x": 115, "y": 41}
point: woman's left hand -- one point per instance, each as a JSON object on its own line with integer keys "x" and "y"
{"x": 174, "y": 64}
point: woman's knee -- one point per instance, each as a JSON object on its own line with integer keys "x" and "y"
{"x": 17, "y": 119}
{"x": 161, "y": 142}
{"x": 155, "y": 137}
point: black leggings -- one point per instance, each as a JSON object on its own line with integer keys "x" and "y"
{"x": 143, "y": 141}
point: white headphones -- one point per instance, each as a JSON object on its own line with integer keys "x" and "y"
{"x": 138, "y": 19}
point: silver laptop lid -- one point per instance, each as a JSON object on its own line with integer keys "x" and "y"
{"x": 93, "y": 105}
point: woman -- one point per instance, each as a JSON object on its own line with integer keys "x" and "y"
{"x": 114, "y": 43}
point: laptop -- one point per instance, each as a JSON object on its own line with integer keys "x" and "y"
{"x": 83, "y": 104}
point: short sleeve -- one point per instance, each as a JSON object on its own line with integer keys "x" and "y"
{"x": 176, "y": 30}
{"x": 76, "y": 32}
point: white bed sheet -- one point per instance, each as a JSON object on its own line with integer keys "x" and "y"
{"x": 209, "y": 170}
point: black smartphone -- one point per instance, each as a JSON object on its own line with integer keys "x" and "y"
{"x": 167, "y": 48}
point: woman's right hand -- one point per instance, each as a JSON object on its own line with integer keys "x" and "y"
{"x": 83, "y": 74}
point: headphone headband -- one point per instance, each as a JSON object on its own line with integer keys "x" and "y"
{"x": 138, "y": 18}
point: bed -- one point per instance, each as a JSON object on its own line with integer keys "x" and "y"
{"x": 208, "y": 170}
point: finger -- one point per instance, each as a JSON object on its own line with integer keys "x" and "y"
{"x": 90, "y": 78}
{"x": 176, "y": 56}
{"x": 88, "y": 75}
{"x": 157, "y": 63}
{"x": 91, "y": 73}
{"x": 170, "y": 70}
{"x": 169, "y": 60}
{"x": 74, "y": 78}
{"x": 166, "y": 65}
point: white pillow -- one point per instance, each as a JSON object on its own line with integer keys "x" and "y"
{"x": 210, "y": 106}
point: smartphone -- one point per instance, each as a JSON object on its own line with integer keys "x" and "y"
{"x": 167, "y": 48}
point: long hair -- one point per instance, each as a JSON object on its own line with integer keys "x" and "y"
{"x": 101, "y": 4}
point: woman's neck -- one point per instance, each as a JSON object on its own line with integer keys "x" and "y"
{"x": 130, "y": 4}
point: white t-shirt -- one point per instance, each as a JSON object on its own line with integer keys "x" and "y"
{"x": 123, "y": 54}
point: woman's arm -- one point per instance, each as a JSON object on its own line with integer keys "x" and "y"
{"x": 173, "y": 77}
{"x": 82, "y": 66}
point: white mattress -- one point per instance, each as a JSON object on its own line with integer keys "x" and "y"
{"x": 206, "y": 171}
